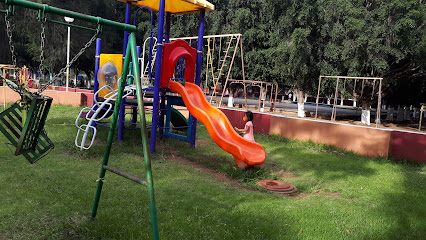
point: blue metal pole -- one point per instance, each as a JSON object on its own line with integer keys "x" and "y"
{"x": 97, "y": 62}
{"x": 198, "y": 71}
{"x": 157, "y": 75}
{"x": 200, "y": 48}
{"x": 127, "y": 21}
{"x": 135, "y": 109}
{"x": 122, "y": 107}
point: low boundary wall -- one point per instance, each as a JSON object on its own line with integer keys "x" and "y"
{"x": 74, "y": 97}
{"x": 367, "y": 141}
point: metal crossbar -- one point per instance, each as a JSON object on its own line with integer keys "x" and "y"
{"x": 126, "y": 175}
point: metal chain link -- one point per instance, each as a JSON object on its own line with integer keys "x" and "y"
{"x": 62, "y": 71}
{"x": 43, "y": 37}
{"x": 9, "y": 34}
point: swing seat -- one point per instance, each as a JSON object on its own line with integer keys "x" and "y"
{"x": 24, "y": 128}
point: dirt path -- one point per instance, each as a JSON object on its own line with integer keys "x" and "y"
{"x": 224, "y": 178}
{"x": 219, "y": 176}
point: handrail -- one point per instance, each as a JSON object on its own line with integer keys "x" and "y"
{"x": 66, "y": 13}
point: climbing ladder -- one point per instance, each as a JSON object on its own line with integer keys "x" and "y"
{"x": 209, "y": 63}
{"x": 224, "y": 60}
{"x": 154, "y": 54}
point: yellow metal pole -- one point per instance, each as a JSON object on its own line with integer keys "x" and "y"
{"x": 244, "y": 75}
{"x": 207, "y": 66}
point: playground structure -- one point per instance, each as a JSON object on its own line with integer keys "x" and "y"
{"x": 363, "y": 83}
{"x": 174, "y": 61}
{"x": 177, "y": 61}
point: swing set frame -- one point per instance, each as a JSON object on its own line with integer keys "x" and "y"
{"x": 344, "y": 78}
{"x": 131, "y": 57}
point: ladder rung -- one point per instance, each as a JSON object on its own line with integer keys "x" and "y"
{"x": 126, "y": 175}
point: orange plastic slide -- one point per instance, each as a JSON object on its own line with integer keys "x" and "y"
{"x": 246, "y": 153}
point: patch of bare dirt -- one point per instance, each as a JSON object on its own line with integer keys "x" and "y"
{"x": 201, "y": 143}
{"x": 219, "y": 176}
{"x": 327, "y": 151}
{"x": 284, "y": 174}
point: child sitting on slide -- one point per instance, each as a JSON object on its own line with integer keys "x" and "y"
{"x": 248, "y": 128}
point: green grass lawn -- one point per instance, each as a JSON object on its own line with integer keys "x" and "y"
{"x": 342, "y": 195}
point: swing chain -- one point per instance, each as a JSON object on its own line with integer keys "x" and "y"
{"x": 9, "y": 35}
{"x": 63, "y": 70}
{"x": 43, "y": 37}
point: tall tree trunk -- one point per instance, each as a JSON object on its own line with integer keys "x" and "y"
{"x": 365, "y": 115}
{"x": 300, "y": 105}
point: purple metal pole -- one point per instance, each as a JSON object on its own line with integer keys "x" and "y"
{"x": 198, "y": 70}
{"x": 127, "y": 21}
{"x": 200, "y": 48}
{"x": 122, "y": 108}
{"x": 97, "y": 62}
{"x": 135, "y": 109}
{"x": 157, "y": 75}
{"x": 163, "y": 93}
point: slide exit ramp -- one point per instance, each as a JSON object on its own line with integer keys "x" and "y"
{"x": 246, "y": 153}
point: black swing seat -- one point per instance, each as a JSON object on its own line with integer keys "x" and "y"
{"x": 24, "y": 126}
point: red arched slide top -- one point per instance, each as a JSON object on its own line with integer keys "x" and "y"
{"x": 172, "y": 52}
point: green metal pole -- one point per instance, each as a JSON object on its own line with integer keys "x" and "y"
{"x": 144, "y": 133}
{"x": 71, "y": 25}
{"x": 111, "y": 131}
{"x": 66, "y": 13}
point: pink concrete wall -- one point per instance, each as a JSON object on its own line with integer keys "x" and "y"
{"x": 76, "y": 99}
{"x": 361, "y": 140}
{"x": 11, "y": 96}
{"x": 408, "y": 145}
{"x": 365, "y": 141}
